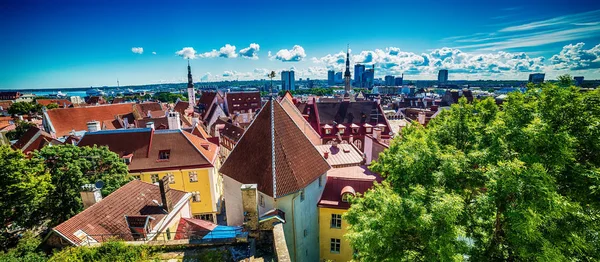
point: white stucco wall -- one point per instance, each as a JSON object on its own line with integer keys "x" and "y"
{"x": 303, "y": 216}
{"x": 233, "y": 201}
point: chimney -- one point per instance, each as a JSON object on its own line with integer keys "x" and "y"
{"x": 165, "y": 194}
{"x": 93, "y": 126}
{"x": 90, "y": 195}
{"x": 195, "y": 120}
{"x": 250, "y": 206}
{"x": 149, "y": 115}
{"x": 173, "y": 120}
{"x": 150, "y": 125}
{"x": 125, "y": 123}
{"x": 421, "y": 118}
{"x": 377, "y": 133}
{"x": 326, "y": 154}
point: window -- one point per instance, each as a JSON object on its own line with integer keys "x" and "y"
{"x": 355, "y": 130}
{"x": 195, "y": 196}
{"x": 341, "y": 130}
{"x": 368, "y": 130}
{"x": 154, "y": 178}
{"x": 193, "y": 176}
{"x": 164, "y": 154}
{"x": 171, "y": 178}
{"x": 137, "y": 177}
{"x": 320, "y": 181}
{"x": 335, "y": 245}
{"x": 305, "y": 232}
{"x": 207, "y": 217}
{"x": 261, "y": 200}
{"x": 327, "y": 131}
{"x": 336, "y": 221}
{"x": 302, "y": 195}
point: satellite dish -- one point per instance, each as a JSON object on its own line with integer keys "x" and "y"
{"x": 99, "y": 184}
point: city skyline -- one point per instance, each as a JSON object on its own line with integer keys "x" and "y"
{"x": 73, "y": 44}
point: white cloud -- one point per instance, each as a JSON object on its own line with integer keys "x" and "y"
{"x": 296, "y": 54}
{"x": 206, "y": 77}
{"x": 559, "y": 20}
{"x": 251, "y": 51}
{"x": 137, "y": 50}
{"x": 574, "y": 57}
{"x": 227, "y": 51}
{"x": 187, "y": 53}
{"x": 154, "y": 53}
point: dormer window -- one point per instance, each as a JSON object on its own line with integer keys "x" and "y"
{"x": 347, "y": 192}
{"x": 327, "y": 129}
{"x": 355, "y": 128}
{"x": 368, "y": 128}
{"x": 164, "y": 155}
{"x": 341, "y": 129}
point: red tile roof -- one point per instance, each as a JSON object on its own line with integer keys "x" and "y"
{"x": 34, "y": 139}
{"x": 107, "y": 217}
{"x": 346, "y": 180}
{"x": 6, "y": 104}
{"x": 297, "y": 162}
{"x": 64, "y": 120}
{"x": 60, "y": 102}
{"x": 189, "y": 227}
{"x": 187, "y": 150}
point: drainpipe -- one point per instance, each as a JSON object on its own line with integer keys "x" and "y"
{"x": 294, "y": 226}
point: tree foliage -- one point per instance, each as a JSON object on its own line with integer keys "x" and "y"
{"x": 168, "y": 97}
{"x": 27, "y": 250}
{"x": 24, "y": 108}
{"x": 52, "y": 106}
{"x": 483, "y": 183}
{"x": 21, "y": 128}
{"x": 71, "y": 167}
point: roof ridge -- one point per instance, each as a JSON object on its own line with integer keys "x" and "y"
{"x": 185, "y": 134}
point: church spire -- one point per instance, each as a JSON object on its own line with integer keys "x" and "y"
{"x": 347, "y": 73}
{"x": 347, "y": 76}
{"x": 190, "y": 89}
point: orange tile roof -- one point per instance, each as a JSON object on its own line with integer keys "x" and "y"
{"x": 107, "y": 217}
{"x": 34, "y": 139}
{"x": 64, "y": 120}
{"x": 297, "y": 162}
{"x": 60, "y": 102}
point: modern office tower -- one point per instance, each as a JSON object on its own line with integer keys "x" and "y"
{"x": 339, "y": 78}
{"x": 390, "y": 81}
{"x": 331, "y": 78}
{"x": 358, "y": 72}
{"x": 443, "y": 76}
{"x": 398, "y": 80}
{"x": 536, "y": 78}
{"x": 288, "y": 80}
{"x": 578, "y": 80}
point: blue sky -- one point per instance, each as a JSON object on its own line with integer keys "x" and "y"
{"x": 94, "y": 43}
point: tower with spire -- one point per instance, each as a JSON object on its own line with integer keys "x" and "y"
{"x": 190, "y": 89}
{"x": 347, "y": 75}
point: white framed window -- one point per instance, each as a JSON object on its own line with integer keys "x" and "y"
{"x": 207, "y": 217}
{"x": 327, "y": 131}
{"x": 154, "y": 178}
{"x": 137, "y": 177}
{"x": 195, "y": 196}
{"x": 171, "y": 178}
{"x": 336, "y": 221}
{"x": 335, "y": 245}
{"x": 193, "y": 176}
{"x": 341, "y": 130}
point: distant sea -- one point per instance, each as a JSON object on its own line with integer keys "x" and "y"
{"x": 65, "y": 92}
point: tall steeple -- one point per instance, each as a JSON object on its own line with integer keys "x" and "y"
{"x": 347, "y": 76}
{"x": 190, "y": 89}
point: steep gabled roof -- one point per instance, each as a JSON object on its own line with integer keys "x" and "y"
{"x": 297, "y": 162}
{"x": 60, "y": 102}
{"x": 107, "y": 217}
{"x": 34, "y": 139}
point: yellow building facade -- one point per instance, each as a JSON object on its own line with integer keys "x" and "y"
{"x": 332, "y": 243}
{"x": 205, "y": 185}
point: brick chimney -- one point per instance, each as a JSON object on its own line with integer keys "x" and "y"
{"x": 377, "y": 133}
{"x": 250, "y": 206}
{"x": 90, "y": 195}
{"x": 421, "y": 118}
{"x": 165, "y": 194}
{"x": 174, "y": 120}
{"x": 93, "y": 126}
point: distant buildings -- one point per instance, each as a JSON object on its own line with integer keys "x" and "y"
{"x": 359, "y": 70}
{"x": 536, "y": 78}
{"x": 578, "y": 80}
{"x": 339, "y": 78}
{"x": 443, "y": 76}
{"x": 288, "y": 80}
{"x": 399, "y": 80}
{"x": 9, "y": 95}
{"x": 390, "y": 80}
{"x": 331, "y": 78}
{"x": 368, "y": 78}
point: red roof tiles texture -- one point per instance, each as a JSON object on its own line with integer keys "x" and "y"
{"x": 64, "y": 120}
{"x": 297, "y": 162}
{"x": 107, "y": 217}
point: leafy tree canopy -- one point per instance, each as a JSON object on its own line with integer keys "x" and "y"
{"x": 168, "y": 97}
{"x": 485, "y": 183}
{"x": 24, "y": 108}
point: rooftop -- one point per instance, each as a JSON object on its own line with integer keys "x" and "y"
{"x": 349, "y": 180}
{"x": 341, "y": 155}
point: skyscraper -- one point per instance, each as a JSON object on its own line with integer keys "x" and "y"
{"x": 358, "y": 72}
{"x": 338, "y": 78}
{"x": 331, "y": 78}
{"x": 578, "y": 80}
{"x": 347, "y": 75}
{"x": 537, "y": 78}
{"x": 389, "y": 80}
{"x": 443, "y": 76}
{"x": 190, "y": 89}
{"x": 368, "y": 77}
{"x": 288, "y": 80}
{"x": 399, "y": 80}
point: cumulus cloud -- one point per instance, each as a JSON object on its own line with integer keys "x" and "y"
{"x": 154, "y": 53}
{"x": 575, "y": 57}
{"x": 137, "y": 50}
{"x": 261, "y": 72}
{"x": 187, "y": 53}
{"x": 294, "y": 55}
{"x": 227, "y": 51}
{"x": 251, "y": 51}
{"x": 206, "y": 77}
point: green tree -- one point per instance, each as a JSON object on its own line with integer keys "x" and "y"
{"x": 565, "y": 80}
{"x": 168, "y": 97}
{"x": 519, "y": 183}
{"x": 52, "y": 106}
{"x": 70, "y": 168}
{"x": 24, "y": 186}
{"x": 21, "y": 128}
{"x": 24, "y": 108}
{"x": 27, "y": 250}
